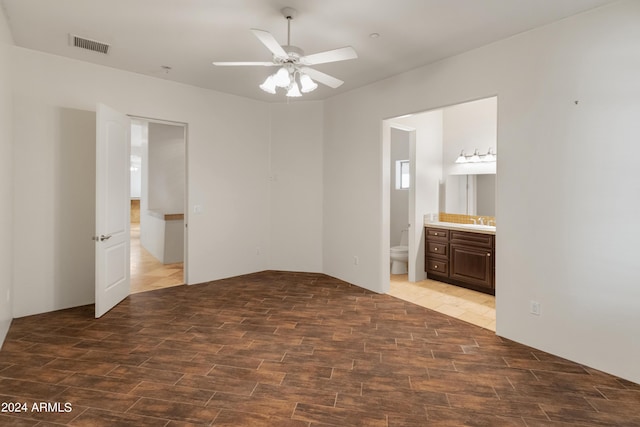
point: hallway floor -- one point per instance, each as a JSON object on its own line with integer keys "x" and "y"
{"x": 464, "y": 304}
{"x": 147, "y": 273}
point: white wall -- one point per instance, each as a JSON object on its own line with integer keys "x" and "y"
{"x": 54, "y": 211}
{"x": 6, "y": 179}
{"x": 166, "y": 168}
{"x": 163, "y": 152}
{"x": 555, "y": 215}
{"x": 398, "y": 198}
{"x": 427, "y": 152}
{"x": 222, "y": 239}
{"x": 164, "y": 239}
{"x": 469, "y": 126}
{"x": 139, "y": 133}
{"x": 296, "y": 187}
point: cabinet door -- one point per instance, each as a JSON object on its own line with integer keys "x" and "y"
{"x": 471, "y": 265}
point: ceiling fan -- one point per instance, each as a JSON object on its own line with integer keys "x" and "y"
{"x": 294, "y": 64}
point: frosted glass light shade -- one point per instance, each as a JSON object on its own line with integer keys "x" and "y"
{"x": 269, "y": 85}
{"x": 476, "y": 157}
{"x": 490, "y": 156}
{"x": 294, "y": 92}
{"x": 307, "y": 84}
{"x": 281, "y": 78}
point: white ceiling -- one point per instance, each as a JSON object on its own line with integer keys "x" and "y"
{"x": 188, "y": 35}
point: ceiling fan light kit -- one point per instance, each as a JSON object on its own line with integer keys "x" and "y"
{"x": 294, "y": 73}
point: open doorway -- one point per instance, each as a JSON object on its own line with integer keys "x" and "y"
{"x": 158, "y": 200}
{"x": 432, "y": 141}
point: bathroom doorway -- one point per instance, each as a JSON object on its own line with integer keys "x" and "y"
{"x": 158, "y": 200}
{"x": 418, "y": 136}
{"x": 436, "y": 138}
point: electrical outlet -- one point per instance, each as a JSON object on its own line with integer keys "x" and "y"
{"x": 356, "y": 261}
{"x": 534, "y": 307}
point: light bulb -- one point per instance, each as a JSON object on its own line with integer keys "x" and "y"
{"x": 461, "y": 158}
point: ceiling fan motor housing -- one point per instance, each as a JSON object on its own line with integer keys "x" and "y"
{"x": 294, "y": 52}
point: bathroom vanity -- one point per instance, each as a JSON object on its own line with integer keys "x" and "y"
{"x": 461, "y": 254}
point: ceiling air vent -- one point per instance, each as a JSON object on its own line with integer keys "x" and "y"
{"x": 93, "y": 45}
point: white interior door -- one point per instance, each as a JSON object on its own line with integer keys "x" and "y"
{"x": 112, "y": 208}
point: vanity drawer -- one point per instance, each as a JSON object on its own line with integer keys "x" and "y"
{"x": 437, "y": 248}
{"x": 437, "y": 234}
{"x": 436, "y": 266}
{"x": 472, "y": 239}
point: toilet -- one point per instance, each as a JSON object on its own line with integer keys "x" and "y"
{"x": 400, "y": 255}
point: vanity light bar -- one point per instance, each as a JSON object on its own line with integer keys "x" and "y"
{"x": 476, "y": 157}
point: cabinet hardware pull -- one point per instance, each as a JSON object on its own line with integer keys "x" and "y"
{"x": 489, "y": 254}
{"x": 435, "y": 249}
{"x": 435, "y": 266}
{"x": 435, "y": 234}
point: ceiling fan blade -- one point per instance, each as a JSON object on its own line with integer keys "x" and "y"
{"x": 321, "y": 77}
{"x": 341, "y": 54}
{"x": 230, "y": 64}
{"x": 270, "y": 42}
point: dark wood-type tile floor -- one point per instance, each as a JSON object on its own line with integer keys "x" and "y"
{"x": 290, "y": 349}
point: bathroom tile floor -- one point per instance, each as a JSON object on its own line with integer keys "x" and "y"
{"x": 290, "y": 349}
{"x": 147, "y": 272}
{"x": 464, "y": 304}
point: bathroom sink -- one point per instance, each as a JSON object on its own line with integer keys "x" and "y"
{"x": 480, "y": 227}
{"x": 468, "y": 227}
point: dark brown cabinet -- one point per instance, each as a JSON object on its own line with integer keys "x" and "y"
{"x": 437, "y": 252}
{"x": 461, "y": 258}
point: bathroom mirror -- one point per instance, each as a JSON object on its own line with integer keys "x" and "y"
{"x": 470, "y": 195}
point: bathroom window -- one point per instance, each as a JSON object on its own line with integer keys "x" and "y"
{"x": 402, "y": 174}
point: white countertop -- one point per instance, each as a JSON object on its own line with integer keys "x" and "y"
{"x": 476, "y": 228}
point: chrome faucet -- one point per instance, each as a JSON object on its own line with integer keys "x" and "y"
{"x": 474, "y": 220}
{"x": 481, "y": 219}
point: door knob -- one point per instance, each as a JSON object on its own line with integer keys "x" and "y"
{"x": 102, "y": 237}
